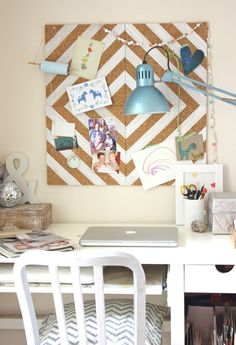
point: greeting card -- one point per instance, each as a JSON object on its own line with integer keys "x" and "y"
{"x": 89, "y": 95}
{"x": 86, "y": 58}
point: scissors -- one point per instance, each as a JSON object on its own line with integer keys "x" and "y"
{"x": 188, "y": 191}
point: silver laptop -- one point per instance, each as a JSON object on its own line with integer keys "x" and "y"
{"x": 130, "y": 236}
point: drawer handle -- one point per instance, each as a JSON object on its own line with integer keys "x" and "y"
{"x": 224, "y": 268}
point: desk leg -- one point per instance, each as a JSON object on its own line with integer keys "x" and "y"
{"x": 175, "y": 295}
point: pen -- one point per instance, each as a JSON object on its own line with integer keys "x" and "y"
{"x": 199, "y": 192}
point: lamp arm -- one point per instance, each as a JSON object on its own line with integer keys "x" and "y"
{"x": 173, "y": 77}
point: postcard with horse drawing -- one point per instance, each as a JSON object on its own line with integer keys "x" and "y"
{"x": 90, "y": 95}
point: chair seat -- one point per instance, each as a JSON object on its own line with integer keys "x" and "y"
{"x": 119, "y": 324}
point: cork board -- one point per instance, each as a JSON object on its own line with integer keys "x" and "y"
{"x": 117, "y": 65}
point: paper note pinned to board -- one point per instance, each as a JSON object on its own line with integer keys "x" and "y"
{"x": 156, "y": 164}
{"x": 63, "y": 129}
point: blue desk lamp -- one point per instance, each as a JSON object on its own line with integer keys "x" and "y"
{"x": 146, "y": 98}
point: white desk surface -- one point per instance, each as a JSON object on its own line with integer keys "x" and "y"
{"x": 193, "y": 248}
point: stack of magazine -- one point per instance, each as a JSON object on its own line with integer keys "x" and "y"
{"x": 13, "y": 246}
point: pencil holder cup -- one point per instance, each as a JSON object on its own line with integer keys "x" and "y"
{"x": 193, "y": 210}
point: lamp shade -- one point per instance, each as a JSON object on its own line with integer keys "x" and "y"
{"x": 145, "y": 98}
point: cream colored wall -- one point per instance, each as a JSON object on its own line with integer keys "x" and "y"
{"x": 23, "y": 96}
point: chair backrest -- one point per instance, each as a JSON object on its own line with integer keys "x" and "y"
{"x": 75, "y": 261}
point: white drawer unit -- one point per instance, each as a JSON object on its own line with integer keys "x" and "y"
{"x": 209, "y": 278}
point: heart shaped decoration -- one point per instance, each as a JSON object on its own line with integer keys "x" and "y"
{"x": 190, "y": 61}
{"x": 213, "y": 185}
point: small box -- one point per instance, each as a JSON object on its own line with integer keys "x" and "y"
{"x": 27, "y": 216}
{"x": 220, "y": 222}
{"x": 222, "y": 202}
{"x": 221, "y": 212}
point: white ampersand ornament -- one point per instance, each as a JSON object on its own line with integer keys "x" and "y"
{"x": 17, "y": 163}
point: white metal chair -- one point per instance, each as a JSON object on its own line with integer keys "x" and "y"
{"x": 74, "y": 260}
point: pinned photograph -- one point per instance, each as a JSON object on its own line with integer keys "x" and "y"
{"x": 88, "y": 96}
{"x": 102, "y": 135}
{"x": 86, "y": 58}
{"x": 106, "y": 162}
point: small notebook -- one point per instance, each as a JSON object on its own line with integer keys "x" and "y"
{"x": 130, "y": 236}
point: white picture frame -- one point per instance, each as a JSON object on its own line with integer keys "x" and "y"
{"x": 209, "y": 175}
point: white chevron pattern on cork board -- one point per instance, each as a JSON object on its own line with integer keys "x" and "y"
{"x": 117, "y": 65}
